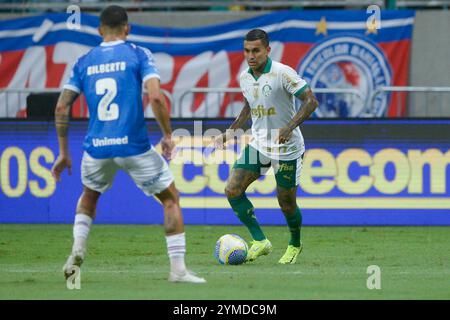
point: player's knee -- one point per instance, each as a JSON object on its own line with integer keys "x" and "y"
{"x": 169, "y": 196}
{"x": 169, "y": 204}
{"x": 288, "y": 208}
{"x": 171, "y": 201}
{"x": 174, "y": 195}
{"x": 87, "y": 203}
{"x": 232, "y": 192}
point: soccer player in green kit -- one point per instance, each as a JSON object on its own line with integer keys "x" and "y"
{"x": 269, "y": 90}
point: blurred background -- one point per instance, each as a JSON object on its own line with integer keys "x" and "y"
{"x": 414, "y": 45}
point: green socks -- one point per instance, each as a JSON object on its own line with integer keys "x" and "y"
{"x": 294, "y": 222}
{"x": 245, "y": 212}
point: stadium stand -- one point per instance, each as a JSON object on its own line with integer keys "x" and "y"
{"x": 174, "y": 5}
{"x": 41, "y": 106}
{"x": 428, "y": 81}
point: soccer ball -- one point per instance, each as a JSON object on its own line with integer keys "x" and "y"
{"x": 231, "y": 249}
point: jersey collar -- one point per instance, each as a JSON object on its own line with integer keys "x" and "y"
{"x": 267, "y": 68}
{"x": 111, "y": 43}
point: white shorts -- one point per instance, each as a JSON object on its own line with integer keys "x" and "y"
{"x": 148, "y": 170}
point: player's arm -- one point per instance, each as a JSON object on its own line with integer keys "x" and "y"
{"x": 242, "y": 118}
{"x": 161, "y": 113}
{"x": 238, "y": 123}
{"x": 62, "y": 114}
{"x": 309, "y": 104}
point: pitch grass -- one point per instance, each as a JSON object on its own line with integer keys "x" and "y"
{"x": 130, "y": 262}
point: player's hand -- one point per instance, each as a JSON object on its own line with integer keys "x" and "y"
{"x": 168, "y": 147}
{"x": 219, "y": 141}
{"x": 284, "y": 135}
{"x": 60, "y": 164}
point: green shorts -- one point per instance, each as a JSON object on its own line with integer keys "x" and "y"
{"x": 287, "y": 173}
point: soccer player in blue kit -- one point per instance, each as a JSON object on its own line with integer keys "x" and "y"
{"x": 111, "y": 76}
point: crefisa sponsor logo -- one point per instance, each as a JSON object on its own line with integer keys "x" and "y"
{"x": 347, "y": 62}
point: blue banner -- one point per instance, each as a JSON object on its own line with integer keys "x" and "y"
{"x": 334, "y": 49}
{"x": 354, "y": 173}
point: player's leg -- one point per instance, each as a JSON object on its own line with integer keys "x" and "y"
{"x": 97, "y": 176}
{"x": 173, "y": 219}
{"x": 287, "y": 178}
{"x": 246, "y": 170}
{"x": 293, "y": 216}
{"x": 151, "y": 173}
{"x": 237, "y": 183}
{"x": 174, "y": 228}
{"x": 175, "y": 236}
{"x": 85, "y": 214}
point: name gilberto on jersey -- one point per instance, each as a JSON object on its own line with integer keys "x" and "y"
{"x": 106, "y": 68}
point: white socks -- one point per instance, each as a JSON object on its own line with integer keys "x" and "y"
{"x": 176, "y": 244}
{"x": 176, "y": 249}
{"x": 81, "y": 228}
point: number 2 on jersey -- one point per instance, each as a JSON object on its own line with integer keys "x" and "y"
{"x": 106, "y": 110}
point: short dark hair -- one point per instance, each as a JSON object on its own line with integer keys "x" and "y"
{"x": 258, "y": 34}
{"x": 113, "y": 17}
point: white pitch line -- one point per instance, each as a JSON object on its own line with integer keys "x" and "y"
{"x": 357, "y": 271}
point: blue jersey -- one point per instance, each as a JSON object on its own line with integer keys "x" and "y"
{"x": 111, "y": 77}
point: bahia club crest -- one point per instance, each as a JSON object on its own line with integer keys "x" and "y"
{"x": 347, "y": 62}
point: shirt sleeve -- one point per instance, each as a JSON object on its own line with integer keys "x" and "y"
{"x": 292, "y": 82}
{"x": 242, "y": 86}
{"x": 74, "y": 83}
{"x": 147, "y": 64}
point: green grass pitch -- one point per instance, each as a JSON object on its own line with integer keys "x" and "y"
{"x": 130, "y": 262}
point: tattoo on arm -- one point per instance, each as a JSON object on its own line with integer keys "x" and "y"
{"x": 62, "y": 127}
{"x": 243, "y": 116}
{"x": 161, "y": 113}
{"x": 62, "y": 111}
{"x": 309, "y": 104}
{"x": 158, "y": 103}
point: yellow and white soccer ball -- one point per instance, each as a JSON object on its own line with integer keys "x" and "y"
{"x": 231, "y": 249}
